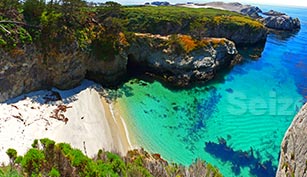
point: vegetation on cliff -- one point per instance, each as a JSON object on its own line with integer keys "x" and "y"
{"x": 46, "y": 158}
{"x": 172, "y": 20}
{"x": 102, "y": 31}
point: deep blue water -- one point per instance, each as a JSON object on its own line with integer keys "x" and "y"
{"x": 236, "y": 122}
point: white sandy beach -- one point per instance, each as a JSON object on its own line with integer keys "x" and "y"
{"x": 91, "y": 125}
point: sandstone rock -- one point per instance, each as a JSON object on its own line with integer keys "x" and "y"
{"x": 293, "y": 159}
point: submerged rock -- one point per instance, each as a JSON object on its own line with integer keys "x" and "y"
{"x": 293, "y": 159}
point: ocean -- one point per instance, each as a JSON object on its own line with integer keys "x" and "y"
{"x": 235, "y": 122}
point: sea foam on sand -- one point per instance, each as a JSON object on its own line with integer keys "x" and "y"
{"x": 91, "y": 123}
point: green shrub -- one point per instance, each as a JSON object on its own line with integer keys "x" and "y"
{"x": 47, "y": 143}
{"x": 32, "y": 161}
{"x": 12, "y": 153}
{"x": 54, "y": 173}
{"x": 35, "y": 143}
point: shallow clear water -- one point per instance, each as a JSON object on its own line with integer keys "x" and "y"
{"x": 236, "y": 122}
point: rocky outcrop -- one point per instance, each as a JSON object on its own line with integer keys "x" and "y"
{"x": 293, "y": 159}
{"x": 281, "y": 22}
{"x": 179, "y": 61}
{"x": 273, "y": 19}
{"x": 27, "y": 69}
{"x": 248, "y": 10}
{"x": 156, "y": 54}
{"x": 273, "y": 13}
{"x": 243, "y": 35}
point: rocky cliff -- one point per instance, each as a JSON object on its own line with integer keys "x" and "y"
{"x": 293, "y": 159}
{"x": 281, "y": 22}
{"x": 272, "y": 19}
{"x": 179, "y": 59}
{"x": 243, "y": 35}
{"x": 24, "y": 70}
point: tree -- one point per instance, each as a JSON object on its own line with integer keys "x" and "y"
{"x": 109, "y": 9}
{"x": 32, "y": 11}
{"x": 9, "y": 8}
{"x": 33, "y": 161}
{"x": 12, "y": 153}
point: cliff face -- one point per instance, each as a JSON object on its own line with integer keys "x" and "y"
{"x": 25, "y": 70}
{"x": 241, "y": 36}
{"x": 179, "y": 62}
{"x": 156, "y": 55}
{"x": 272, "y": 19}
{"x": 293, "y": 160}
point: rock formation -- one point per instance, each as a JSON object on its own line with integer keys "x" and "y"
{"x": 281, "y": 22}
{"x": 273, "y": 19}
{"x": 293, "y": 159}
{"x": 243, "y": 35}
{"x": 248, "y": 10}
{"x": 25, "y": 70}
{"x": 153, "y": 54}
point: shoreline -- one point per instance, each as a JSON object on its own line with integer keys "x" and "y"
{"x": 91, "y": 124}
{"x": 118, "y": 127}
{"x": 121, "y": 113}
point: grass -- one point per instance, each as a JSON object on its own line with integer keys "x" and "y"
{"x": 173, "y": 20}
{"x": 173, "y": 13}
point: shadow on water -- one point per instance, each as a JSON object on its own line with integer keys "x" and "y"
{"x": 240, "y": 159}
{"x": 251, "y": 52}
{"x": 283, "y": 35}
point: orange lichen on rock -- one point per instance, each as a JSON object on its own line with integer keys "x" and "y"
{"x": 187, "y": 43}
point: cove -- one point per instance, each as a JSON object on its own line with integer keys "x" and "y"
{"x": 249, "y": 108}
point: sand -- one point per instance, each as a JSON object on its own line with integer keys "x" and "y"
{"x": 92, "y": 122}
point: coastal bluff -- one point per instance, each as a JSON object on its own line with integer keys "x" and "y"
{"x": 180, "y": 60}
{"x": 271, "y": 19}
{"x": 293, "y": 160}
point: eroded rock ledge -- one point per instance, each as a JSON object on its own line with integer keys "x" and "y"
{"x": 182, "y": 60}
{"x": 293, "y": 159}
{"x": 177, "y": 58}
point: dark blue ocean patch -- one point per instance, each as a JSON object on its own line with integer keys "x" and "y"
{"x": 197, "y": 114}
{"x": 297, "y": 70}
{"x": 229, "y": 78}
{"x": 240, "y": 159}
{"x": 229, "y": 90}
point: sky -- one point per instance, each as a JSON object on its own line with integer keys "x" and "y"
{"x": 299, "y": 3}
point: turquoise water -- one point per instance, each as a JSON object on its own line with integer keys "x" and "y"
{"x": 236, "y": 122}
